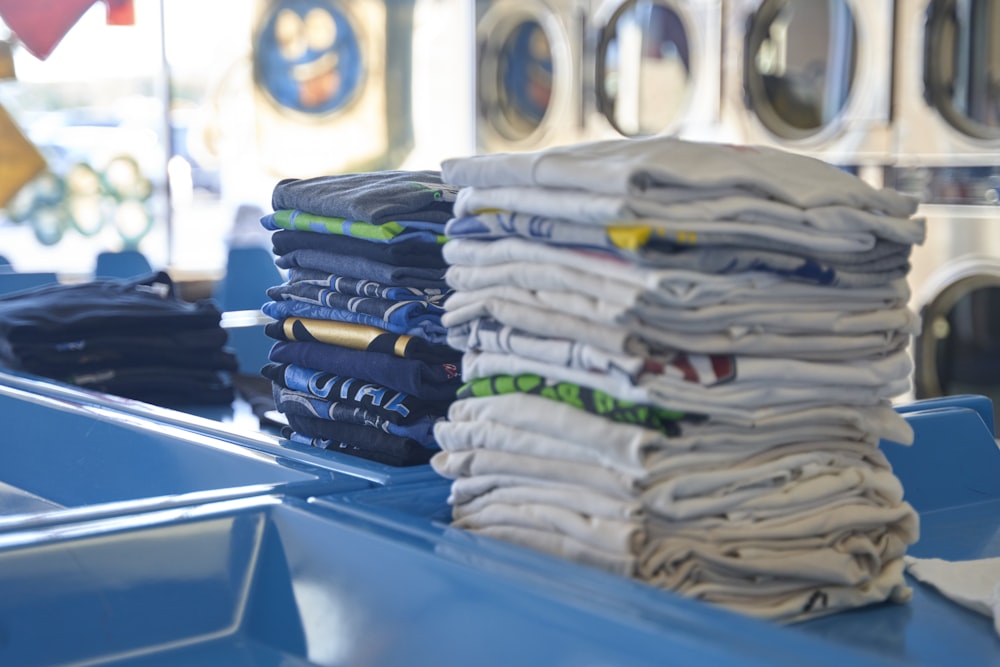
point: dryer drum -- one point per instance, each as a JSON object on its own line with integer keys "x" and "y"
{"x": 962, "y": 65}
{"x": 643, "y": 67}
{"x": 795, "y": 74}
{"x": 524, "y": 78}
{"x": 527, "y": 76}
{"x": 958, "y": 348}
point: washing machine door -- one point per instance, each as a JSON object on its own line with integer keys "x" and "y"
{"x": 527, "y": 76}
{"x": 962, "y": 66}
{"x": 958, "y": 348}
{"x": 800, "y": 65}
{"x": 815, "y": 75}
{"x": 655, "y": 68}
{"x": 643, "y": 67}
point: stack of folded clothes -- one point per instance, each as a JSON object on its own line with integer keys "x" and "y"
{"x": 679, "y": 362}
{"x": 134, "y": 338}
{"x": 361, "y": 364}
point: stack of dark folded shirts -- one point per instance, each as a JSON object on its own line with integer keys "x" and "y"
{"x": 361, "y": 364}
{"x": 134, "y": 338}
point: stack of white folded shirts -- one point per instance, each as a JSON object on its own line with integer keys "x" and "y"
{"x": 679, "y": 362}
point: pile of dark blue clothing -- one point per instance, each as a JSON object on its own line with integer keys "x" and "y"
{"x": 135, "y": 338}
{"x": 361, "y": 364}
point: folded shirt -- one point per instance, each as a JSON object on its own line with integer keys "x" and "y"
{"x": 474, "y": 462}
{"x": 392, "y": 311}
{"x": 637, "y": 445}
{"x": 412, "y": 321}
{"x": 122, "y": 359}
{"x": 391, "y": 405}
{"x": 357, "y": 266}
{"x": 160, "y": 385}
{"x": 427, "y": 380}
{"x": 291, "y": 402}
{"x": 654, "y": 240}
{"x": 358, "y": 441}
{"x": 858, "y": 317}
{"x": 559, "y": 545}
{"x": 635, "y": 336}
{"x": 723, "y": 373}
{"x": 376, "y": 197}
{"x": 471, "y": 494}
{"x": 196, "y": 348}
{"x": 364, "y": 287}
{"x": 592, "y": 401}
{"x": 605, "y": 275}
{"x": 656, "y": 472}
{"x": 403, "y": 251}
{"x": 122, "y": 307}
{"x": 665, "y": 367}
{"x": 737, "y": 404}
{"x": 857, "y": 228}
{"x": 387, "y": 232}
{"x": 360, "y": 337}
{"x": 607, "y": 534}
{"x": 668, "y": 169}
{"x": 487, "y": 335}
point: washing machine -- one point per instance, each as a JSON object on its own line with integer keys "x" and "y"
{"x": 947, "y": 84}
{"x": 653, "y": 67}
{"x": 810, "y": 76}
{"x": 946, "y": 153}
{"x": 332, "y": 85}
{"x": 958, "y": 348}
{"x": 528, "y": 73}
{"x": 955, "y": 284}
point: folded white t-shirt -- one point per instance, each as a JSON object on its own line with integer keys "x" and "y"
{"x": 668, "y": 169}
{"x": 857, "y": 228}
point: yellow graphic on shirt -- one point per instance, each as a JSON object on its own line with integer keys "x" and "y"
{"x": 346, "y": 334}
{"x": 629, "y": 237}
{"x": 636, "y": 237}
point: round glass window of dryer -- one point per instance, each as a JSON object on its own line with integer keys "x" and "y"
{"x": 522, "y": 81}
{"x": 799, "y": 64}
{"x": 962, "y": 65}
{"x": 643, "y": 68}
